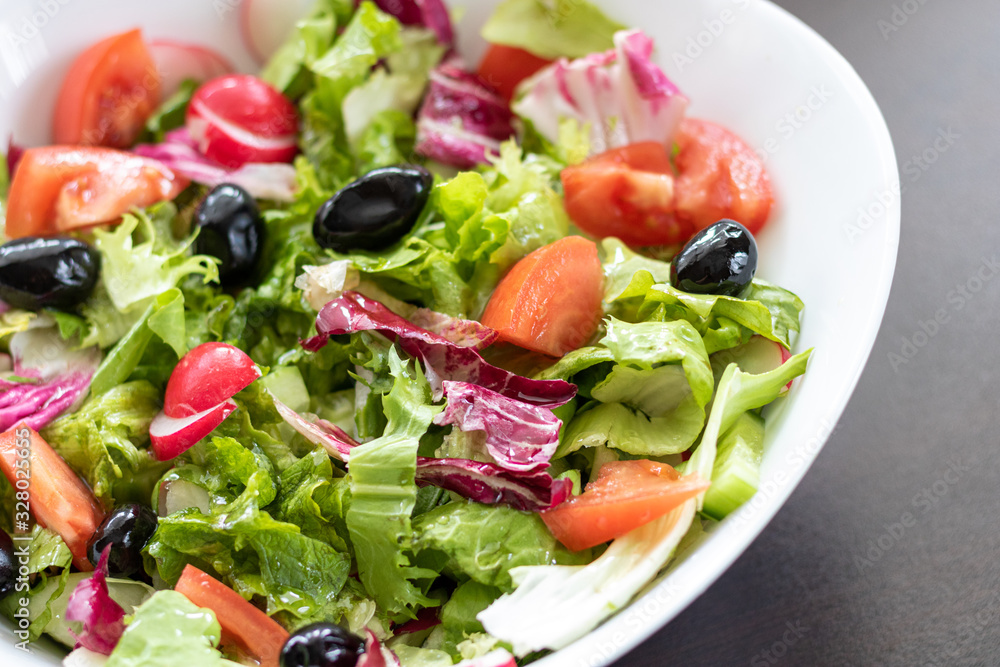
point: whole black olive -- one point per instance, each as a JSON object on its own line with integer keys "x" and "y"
{"x": 232, "y": 230}
{"x": 8, "y": 572}
{"x": 40, "y": 273}
{"x": 375, "y": 211}
{"x": 720, "y": 259}
{"x": 322, "y": 645}
{"x": 126, "y": 529}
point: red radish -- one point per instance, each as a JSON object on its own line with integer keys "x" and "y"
{"x": 758, "y": 355}
{"x": 172, "y": 436}
{"x": 266, "y": 24}
{"x": 239, "y": 118}
{"x": 177, "y": 62}
{"x": 208, "y": 375}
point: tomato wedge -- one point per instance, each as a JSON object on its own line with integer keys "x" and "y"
{"x": 110, "y": 91}
{"x": 719, "y": 176}
{"x": 61, "y": 188}
{"x": 626, "y": 192}
{"x": 243, "y": 625}
{"x": 625, "y": 495}
{"x": 550, "y": 302}
{"x": 56, "y": 496}
{"x": 504, "y": 67}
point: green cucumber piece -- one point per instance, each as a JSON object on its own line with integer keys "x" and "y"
{"x": 736, "y": 475}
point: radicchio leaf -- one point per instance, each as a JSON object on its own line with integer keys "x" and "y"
{"x": 179, "y": 151}
{"x": 519, "y": 436}
{"x": 429, "y": 13}
{"x": 461, "y": 122}
{"x": 90, "y": 603}
{"x": 622, "y": 94}
{"x": 352, "y": 312}
{"x": 375, "y": 654}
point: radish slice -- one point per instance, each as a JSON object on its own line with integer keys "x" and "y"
{"x": 239, "y": 119}
{"x": 177, "y": 62}
{"x": 171, "y": 436}
{"x": 266, "y": 24}
{"x": 756, "y": 356}
{"x": 207, "y": 376}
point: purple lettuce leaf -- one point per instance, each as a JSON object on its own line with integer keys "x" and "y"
{"x": 14, "y": 153}
{"x": 519, "y": 436}
{"x": 622, "y": 94}
{"x": 92, "y": 605}
{"x": 461, "y": 122}
{"x": 428, "y": 13}
{"x": 53, "y": 378}
{"x": 443, "y": 359}
{"x": 179, "y": 152}
{"x": 490, "y": 484}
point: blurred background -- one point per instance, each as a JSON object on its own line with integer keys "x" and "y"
{"x": 886, "y": 554}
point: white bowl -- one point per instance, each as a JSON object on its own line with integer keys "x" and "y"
{"x": 745, "y": 63}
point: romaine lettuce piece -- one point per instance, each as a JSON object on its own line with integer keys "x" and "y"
{"x": 384, "y": 492}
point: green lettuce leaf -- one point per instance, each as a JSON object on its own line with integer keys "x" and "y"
{"x": 167, "y": 630}
{"x": 47, "y": 550}
{"x": 482, "y": 543}
{"x": 243, "y": 543}
{"x": 105, "y": 441}
{"x": 383, "y": 494}
{"x": 552, "y": 29}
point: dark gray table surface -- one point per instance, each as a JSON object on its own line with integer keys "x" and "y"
{"x": 888, "y": 553}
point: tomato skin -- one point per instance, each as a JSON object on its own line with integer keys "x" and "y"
{"x": 720, "y": 176}
{"x": 504, "y": 67}
{"x": 206, "y": 376}
{"x": 61, "y": 188}
{"x": 242, "y": 623}
{"x": 625, "y": 496}
{"x": 626, "y": 192}
{"x": 550, "y": 302}
{"x": 57, "y": 497}
{"x": 238, "y": 119}
{"x": 110, "y": 91}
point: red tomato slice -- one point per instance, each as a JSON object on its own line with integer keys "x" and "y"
{"x": 108, "y": 93}
{"x": 550, "y": 302}
{"x": 57, "y": 497}
{"x": 504, "y": 67}
{"x": 243, "y": 625}
{"x": 207, "y": 376}
{"x": 61, "y": 188}
{"x": 627, "y": 192}
{"x": 720, "y": 176}
{"x": 625, "y": 495}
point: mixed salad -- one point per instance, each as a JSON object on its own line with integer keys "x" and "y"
{"x": 371, "y": 357}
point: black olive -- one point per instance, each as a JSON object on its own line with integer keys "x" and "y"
{"x": 232, "y": 230}
{"x": 8, "y": 572}
{"x": 322, "y": 645}
{"x": 40, "y": 273}
{"x": 375, "y": 211}
{"x": 126, "y": 529}
{"x": 720, "y": 259}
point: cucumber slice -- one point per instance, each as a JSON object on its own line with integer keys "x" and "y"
{"x": 736, "y": 474}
